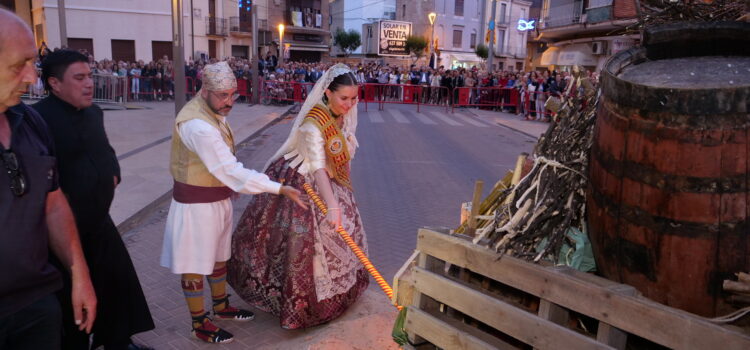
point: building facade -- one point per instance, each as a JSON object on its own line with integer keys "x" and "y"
{"x": 354, "y": 14}
{"x": 461, "y": 25}
{"x": 307, "y": 34}
{"x": 456, "y": 29}
{"x": 511, "y": 33}
{"x": 584, "y": 33}
{"x": 132, "y": 30}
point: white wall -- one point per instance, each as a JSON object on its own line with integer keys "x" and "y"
{"x": 514, "y": 40}
{"x": 447, "y": 21}
{"x": 352, "y": 14}
{"x": 141, "y": 20}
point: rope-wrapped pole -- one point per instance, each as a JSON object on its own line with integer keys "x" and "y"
{"x": 353, "y": 246}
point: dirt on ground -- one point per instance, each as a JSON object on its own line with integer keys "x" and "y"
{"x": 366, "y": 325}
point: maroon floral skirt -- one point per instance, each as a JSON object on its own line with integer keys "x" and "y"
{"x": 273, "y": 250}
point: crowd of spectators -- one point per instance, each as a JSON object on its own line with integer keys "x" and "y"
{"x": 154, "y": 80}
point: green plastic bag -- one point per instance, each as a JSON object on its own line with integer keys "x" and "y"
{"x": 580, "y": 257}
{"x": 399, "y": 332}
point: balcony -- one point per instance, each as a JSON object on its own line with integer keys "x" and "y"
{"x": 236, "y": 25}
{"x": 564, "y": 15}
{"x": 511, "y": 51}
{"x": 305, "y": 18}
{"x": 503, "y": 21}
{"x": 216, "y": 26}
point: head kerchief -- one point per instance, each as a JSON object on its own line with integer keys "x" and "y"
{"x": 218, "y": 77}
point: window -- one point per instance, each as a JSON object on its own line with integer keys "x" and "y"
{"x": 459, "y": 8}
{"x": 473, "y": 41}
{"x": 599, "y": 3}
{"x": 457, "y": 38}
{"x": 441, "y": 32}
{"x": 240, "y": 51}
{"x": 159, "y": 49}
{"x": 500, "y": 41}
{"x": 503, "y": 10}
{"x": 304, "y": 13}
{"x": 81, "y": 44}
{"x": 212, "y": 49}
{"x": 403, "y": 11}
{"x": 123, "y": 50}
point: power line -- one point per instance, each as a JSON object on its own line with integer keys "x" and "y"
{"x": 357, "y": 8}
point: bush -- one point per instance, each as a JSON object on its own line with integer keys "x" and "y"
{"x": 482, "y": 51}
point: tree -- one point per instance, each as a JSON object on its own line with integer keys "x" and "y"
{"x": 416, "y": 45}
{"x": 482, "y": 51}
{"x": 347, "y": 41}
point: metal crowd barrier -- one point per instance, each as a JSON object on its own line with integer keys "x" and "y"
{"x": 535, "y": 103}
{"x": 495, "y": 97}
{"x": 117, "y": 89}
{"x": 107, "y": 89}
{"x": 282, "y": 92}
{"x": 110, "y": 88}
{"x": 406, "y": 94}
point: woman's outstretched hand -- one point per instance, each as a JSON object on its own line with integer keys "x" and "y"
{"x": 334, "y": 217}
{"x": 295, "y": 195}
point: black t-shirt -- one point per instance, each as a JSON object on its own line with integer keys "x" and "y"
{"x": 24, "y": 239}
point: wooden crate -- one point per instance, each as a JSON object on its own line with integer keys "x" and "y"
{"x": 510, "y": 304}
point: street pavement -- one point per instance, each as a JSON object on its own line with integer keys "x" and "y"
{"x": 411, "y": 170}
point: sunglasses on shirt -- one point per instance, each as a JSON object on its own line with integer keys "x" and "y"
{"x": 13, "y": 168}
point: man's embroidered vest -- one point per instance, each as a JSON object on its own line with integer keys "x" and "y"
{"x": 186, "y": 167}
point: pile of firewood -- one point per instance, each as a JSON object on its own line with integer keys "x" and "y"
{"x": 655, "y": 12}
{"x": 740, "y": 295}
{"x": 550, "y": 199}
{"x": 740, "y": 289}
{"x": 531, "y": 217}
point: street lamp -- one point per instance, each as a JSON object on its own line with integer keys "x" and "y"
{"x": 281, "y": 43}
{"x": 431, "y": 16}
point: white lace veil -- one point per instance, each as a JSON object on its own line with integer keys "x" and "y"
{"x": 314, "y": 97}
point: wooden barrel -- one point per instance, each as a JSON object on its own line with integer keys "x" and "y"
{"x": 668, "y": 191}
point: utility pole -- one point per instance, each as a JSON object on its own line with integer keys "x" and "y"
{"x": 178, "y": 54}
{"x": 255, "y": 74}
{"x": 483, "y": 21}
{"x": 491, "y": 26}
{"x": 192, "y": 32}
{"x": 63, "y": 25}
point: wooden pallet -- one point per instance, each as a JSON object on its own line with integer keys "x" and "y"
{"x": 510, "y": 304}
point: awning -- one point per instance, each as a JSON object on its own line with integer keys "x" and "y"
{"x": 549, "y": 57}
{"x": 318, "y": 48}
{"x": 576, "y": 54}
{"x": 464, "y": 57}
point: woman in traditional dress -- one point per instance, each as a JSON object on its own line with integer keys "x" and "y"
{"x": 289, "y": 261}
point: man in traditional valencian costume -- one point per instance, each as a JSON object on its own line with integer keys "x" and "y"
{"x": 198, "y": 234}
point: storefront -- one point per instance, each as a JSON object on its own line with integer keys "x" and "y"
{"x": 588, "y": 53}
{"x": 455, "y": 60}
{"x": 305, "y": 53}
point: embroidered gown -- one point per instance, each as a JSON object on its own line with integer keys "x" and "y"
{"x": 289, "y": 261}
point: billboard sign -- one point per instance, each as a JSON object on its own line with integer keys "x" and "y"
{"x": 392, "y": 38}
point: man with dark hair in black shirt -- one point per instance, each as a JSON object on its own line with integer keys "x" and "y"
{"x": 34, "y": 214}
{"x": 89, "y": 173}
